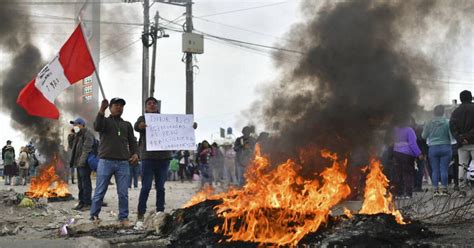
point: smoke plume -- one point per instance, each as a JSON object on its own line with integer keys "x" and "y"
{"x": 24, "y": 64}
{"x": 355, "y": 76}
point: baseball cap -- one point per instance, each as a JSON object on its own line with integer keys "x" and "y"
{"x": 117, "y": 100}
{"x": 78, "y": 121}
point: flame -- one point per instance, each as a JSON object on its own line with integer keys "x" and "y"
{"x": 47, "y": 183}
{"x": 377, "y": 198}
{"x": 206, "y": 193}
{"x": 277, "y": 205}
{"x": 348, "y": 213}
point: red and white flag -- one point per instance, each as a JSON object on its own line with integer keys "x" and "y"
{"x": 71, "y": 64}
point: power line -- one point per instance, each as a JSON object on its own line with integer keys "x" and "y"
{"x": 239, "y": 28}
{"x": 252, "y": 44}
{"x": 14, "y": 2}
{"x": 245, "y": 9}
{"x": 72, "y": 19}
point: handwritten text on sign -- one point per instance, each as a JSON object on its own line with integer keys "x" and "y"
{"x": 166, "y": 132}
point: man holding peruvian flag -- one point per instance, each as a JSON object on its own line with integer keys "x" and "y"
{"x": 72, "y": 63}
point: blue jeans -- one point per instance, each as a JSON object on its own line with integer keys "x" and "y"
{"x": 84, "y": 184}
{"x": 157, "y": 169}
{"x": 105, "y": 170}
{"x": 135, "y": 171}
{"x": 440, "y": 156}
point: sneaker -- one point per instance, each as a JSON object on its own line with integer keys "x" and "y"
{"x": 436, "y": 193}
{"x": 95, "y": 220}
{"x": 139, "y": 226}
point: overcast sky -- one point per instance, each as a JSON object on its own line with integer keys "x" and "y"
{"x": 228, "y": 77}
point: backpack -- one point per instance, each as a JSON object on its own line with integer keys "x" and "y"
{"x": 9, "y": 156}
{"x": 93, "y": 158}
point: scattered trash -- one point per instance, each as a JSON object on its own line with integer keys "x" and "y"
{"x": 26, "y": 203}
{"x": 63, "y": 231}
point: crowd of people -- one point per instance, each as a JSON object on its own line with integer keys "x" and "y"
{"x": 443, "y": 146}
{"x": 18, "y": 170}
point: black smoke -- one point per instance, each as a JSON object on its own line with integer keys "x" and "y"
{"x": 25, "y": 62}
{"x": 353, "y": 79}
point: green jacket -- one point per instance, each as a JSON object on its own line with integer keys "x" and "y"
{"x": 436, "y": 132}
{"x": 8, "y": 155}
{"x": 174, "y": 165}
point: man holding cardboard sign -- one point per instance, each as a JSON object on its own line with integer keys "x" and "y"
{"x": 158, "y": 138}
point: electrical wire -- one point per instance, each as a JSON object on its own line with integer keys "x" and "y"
{"x": 15, "y": 2}
{"x": 245, "y": 9}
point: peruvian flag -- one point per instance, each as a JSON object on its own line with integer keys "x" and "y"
{"x": 71, "y": 64}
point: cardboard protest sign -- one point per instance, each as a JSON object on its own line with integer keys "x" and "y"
{"x": 168, "y": 132}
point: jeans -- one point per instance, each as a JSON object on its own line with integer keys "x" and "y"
{"x": 440, "y": 156}
{"x": 135, "y": 171}
{"x": 206, "y": 174}
{"x": 105, "y": 170}
{"x": 157, "y": 169}
{"x": 84, "y": 184}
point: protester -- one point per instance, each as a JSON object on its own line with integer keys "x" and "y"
{"x": 217, "y": 164}
{"x": 404, "y": 152}
{"x": 8, "y": 157}
{"x": 135, "y": 171}
{"x": 461, "y": 125}
{"x": 80, "y": 143}
{"x": 23, "y": 164}
{"x": 244, "y": 147}
{"x": 173, "y": 170}
{"x": 183, "y": 171}
{"x": 117, "y": 148}
{"x": 33, "y": 162}
{"x": 155, "y": 164}
{"x": 229, "y": 163}
{"x": 204, "y": 155}
{"x": 438, "y": 137}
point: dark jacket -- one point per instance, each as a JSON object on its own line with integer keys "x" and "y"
{"x": 81, "y": 145}
{"x": 244, "y": 148}
{"x": 144, "y": 154}
{"x": 4, "y": 149}
{"x": 461, "y": 123}
{"x": 117, "y": 141}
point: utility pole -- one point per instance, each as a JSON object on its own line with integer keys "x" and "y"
{"x": 146, "y": 59}
{"x": 189, "y": 62}
{"x": 153, "y": 58}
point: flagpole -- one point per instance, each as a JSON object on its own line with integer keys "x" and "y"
{"x": 93, "y": 61}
